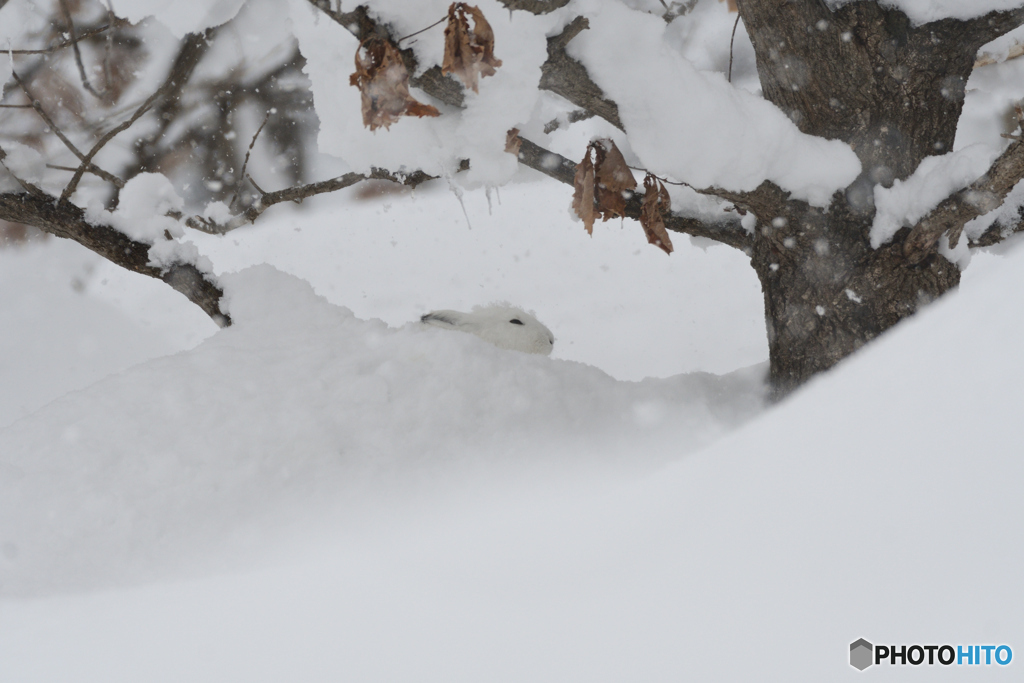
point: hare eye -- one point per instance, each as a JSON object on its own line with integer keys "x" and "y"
{"x": 516, "y": 321}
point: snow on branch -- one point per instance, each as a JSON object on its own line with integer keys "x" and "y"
{"x": 64, "y": 219}
{"x": 563, "y": 170}
{"x": 983, "y": 195}
{"x": 563, "y": 75}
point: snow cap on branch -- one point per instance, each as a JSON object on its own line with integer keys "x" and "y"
{"x": 181, "y": 16}
{"x": 141, "y": 214}
{"x": 694, "y": 126}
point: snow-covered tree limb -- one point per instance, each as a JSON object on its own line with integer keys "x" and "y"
{"x": 987, "y": 28}
{"x": 982, "y": 196}
{"x": 64, "y": 219}
{"x": 564, "y": 170}
{"x": 565, "y": 77}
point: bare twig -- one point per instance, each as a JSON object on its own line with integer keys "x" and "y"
{"x": 258, "y": 188}
{"x": 78, "y": 53}
{"x": 67, "y": 43}
{"x": 422, "y": 30}
{"x": 731, "y": 41}
{"x": 243, "y": 175}
{"x": 107, "y": 46}
{"x": 666, "y": 181}
{"x": 193, "y": 43}
{"x": 87, "y": 164}
{"x": 110, "y": 178}
{"x": 299, "y": 193}
{"x": 37, "y": 105}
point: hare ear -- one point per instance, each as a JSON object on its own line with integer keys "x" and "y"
{"x": 516, "y": 321}
{"x": 437, "y": 317}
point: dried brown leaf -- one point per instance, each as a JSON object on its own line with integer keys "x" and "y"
{"x": 512, "y": 141}
{"x": 614, "y": 179}
{"x": 383, "y": 81}
{"x": 583, "y": 195}
{"x": 655, "y": 204}
{"x": 469, "y": 54}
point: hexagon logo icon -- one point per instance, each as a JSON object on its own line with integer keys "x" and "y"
{"x": 861, "y": 652}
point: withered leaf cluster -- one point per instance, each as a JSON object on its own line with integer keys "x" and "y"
{"x": 512, "y": 141}
{"x": 655, "y": 204}
{"x": 383, "y": 81}
{"x": 601, "y": 183}
{"x": 469, "y": 54}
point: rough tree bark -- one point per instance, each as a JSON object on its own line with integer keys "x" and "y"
{"x": 862, "y": 74}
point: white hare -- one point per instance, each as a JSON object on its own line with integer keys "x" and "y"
{"x": 502, "y": 325}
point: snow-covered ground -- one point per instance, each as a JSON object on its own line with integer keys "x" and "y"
{"x": 313, "y": 495}
{"x": 329, "y": 490}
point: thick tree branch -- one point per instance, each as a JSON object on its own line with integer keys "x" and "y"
{"x": 564, "y": 171}
{"x": 563, "y": 75}
{"x": 982, "y": 196}
{"x": 994, "y": 24}
{"x": 997, "y": 233}
{"x": 66, "y": 220}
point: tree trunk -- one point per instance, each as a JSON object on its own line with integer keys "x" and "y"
{"x": 826, "y": 291}
{"x": 864, "y": 75}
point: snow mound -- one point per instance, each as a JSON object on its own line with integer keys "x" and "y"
{"x": 300, "y": 403}
{"x": 880, "y": 502}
